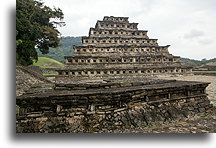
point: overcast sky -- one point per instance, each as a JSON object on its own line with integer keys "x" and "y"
{"x": 187, "y": 25}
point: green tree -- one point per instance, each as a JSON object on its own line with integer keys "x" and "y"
{"x": 36, "y": 27}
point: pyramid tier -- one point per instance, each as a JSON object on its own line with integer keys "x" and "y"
{"x": 126, "y": 66}
{"x": 108, "y": 41}
{"x": 116, "y": 19}
{"x": 121, "y": 70}
{"x": 119, "y": 49}
{"x": 123, "y": 59}
{"x": 95, "y": 32}
{"x": 114, "y": 25}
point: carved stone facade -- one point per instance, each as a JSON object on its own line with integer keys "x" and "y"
{"x": 116, "y": 48}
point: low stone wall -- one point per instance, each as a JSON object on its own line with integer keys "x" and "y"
{"x": 99, "y": 109}
{"x": 136, "y": 115}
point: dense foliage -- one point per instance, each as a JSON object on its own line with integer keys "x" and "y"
{"x": 198, "y": 62}
{"x": 35, "y": 28}
{"x": 65, "y": 49}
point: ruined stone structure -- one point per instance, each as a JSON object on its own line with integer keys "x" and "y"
{"x": 103, "y": 97}
{"x": 94, "y": 107}
{"x": 116, "y": 48}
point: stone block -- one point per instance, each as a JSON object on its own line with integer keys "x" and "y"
{"x": 190, "y": 108}
{"x": 70, "y": 85}
{"x": 126, "y": 85}
{"x": 92, "y": 97}
{"x": 137, "y": 83}
{"x": 114, "y": 86}
{"x": 201, "y": 109}
{"x": 79, "y": 88}
{"x": 35, "y": 115}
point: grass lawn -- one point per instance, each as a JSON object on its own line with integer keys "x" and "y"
{"x": 44, "y": 62}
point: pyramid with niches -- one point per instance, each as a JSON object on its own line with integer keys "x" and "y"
{"x": 117, "y": 48}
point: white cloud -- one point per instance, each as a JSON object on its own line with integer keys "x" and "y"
{"x": 194, "y": 34}
{"x": 206, "y": 41}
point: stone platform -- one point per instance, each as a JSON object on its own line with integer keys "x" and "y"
{"x": 117, "y": 104}
{"x": 105, "y": 96}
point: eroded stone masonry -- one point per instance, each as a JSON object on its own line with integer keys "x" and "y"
{"x": 116, "y": 48}
{"x": 117, "y": 57}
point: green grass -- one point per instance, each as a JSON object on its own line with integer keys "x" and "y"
{"x": 44, "y": 62}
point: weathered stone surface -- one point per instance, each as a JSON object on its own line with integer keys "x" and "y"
{"x": 108, "y": 114}
{"x": 134, "y": 121}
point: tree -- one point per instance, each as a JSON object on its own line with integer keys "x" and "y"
{"x": 36, "y": 27}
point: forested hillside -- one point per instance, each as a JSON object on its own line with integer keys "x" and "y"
{"x": 65, "y": 49}
{"x": 198, "y": 62}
